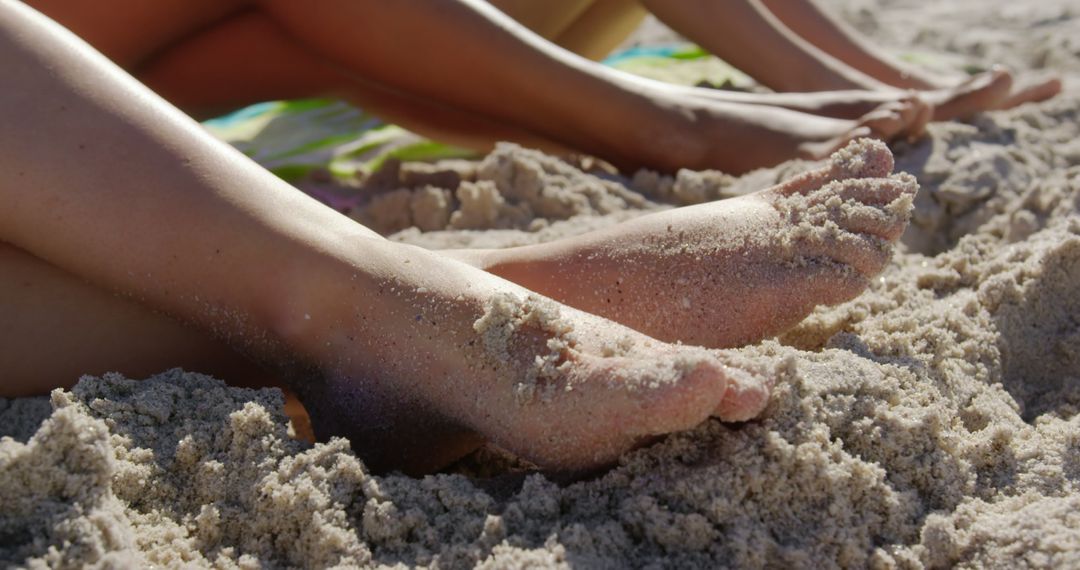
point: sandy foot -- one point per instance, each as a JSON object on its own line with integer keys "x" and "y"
{"x": 735, "y": 271}
{"x": 439, "y": 357}
{"x": 731, "y": 133}
{"x": 902, "y": 116}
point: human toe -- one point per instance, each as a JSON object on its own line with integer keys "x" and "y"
{"x": 982, "y": 92}
{"x": 859, "y": 158}
{"x": 702, "y": 382}
{"x": 1032, "y": 90}
{"x": 746, "y": 397}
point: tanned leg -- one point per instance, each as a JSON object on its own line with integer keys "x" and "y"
{"x": 467, "y": 58}
{"x": 55, "y": 328}
{"x": 415, "y": 356}
{"x": 813, "y": 23}
{"x": 247, "y": 58}
{"x": 773, "y": 50}
{"x": 489, "y": 64}
{"x": 747, "y": 34}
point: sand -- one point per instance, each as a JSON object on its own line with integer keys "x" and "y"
{"x": 506, "y": 319}
{"x": 931, "y": 422}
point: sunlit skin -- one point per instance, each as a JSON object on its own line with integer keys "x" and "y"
{"x": 109, "y": 189}
{"x": 467, "y": 75}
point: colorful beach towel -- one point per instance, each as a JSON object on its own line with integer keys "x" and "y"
{"x": 682, "y": 64}
{"x": 294, "y": 138}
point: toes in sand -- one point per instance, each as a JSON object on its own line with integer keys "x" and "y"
{"x": 735, "y": 271}
{"x": 593, "y": 389}
{"x": 489, "y": 361}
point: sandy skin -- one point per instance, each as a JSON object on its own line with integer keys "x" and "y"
{"x": 386, "y": 343}
{"x": 730, "y": 272}
{"x": 416, "y": 356}
{"x": 468, "y": 77}
{"x": 565, "y": 388}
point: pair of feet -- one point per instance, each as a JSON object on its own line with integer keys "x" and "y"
{"x": 825, "y": 121}
{"x": 443, "y": 355}
{"x": 988, "y": 91}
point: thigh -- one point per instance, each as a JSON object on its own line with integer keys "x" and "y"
{"x": 548, "y": 18}
{"x": 55, "y": 327}
{"x": 130, "y": 32}
{"x": 591, "y": 28}
{"x": 602, "y": 28}
{"x": 245, "y": 58}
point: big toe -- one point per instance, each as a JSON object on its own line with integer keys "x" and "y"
{"x": 980, "y": 93}
{"x": 860, "y": 158}
{"x": 746, "y": 397}
{"x": 1031, "y": 90}
{"x": 907, "y": 115}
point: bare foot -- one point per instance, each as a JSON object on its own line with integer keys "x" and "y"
{"x": 1024, "y": 88}
{"x": 421, "y": 358}
{"x": 680, "y": 127}
{"x": 988, "y": 91}
{"x": 735, "y": 271}
{"x": 983, "y": 92}
{"x": 904, "y": 116}
{"x": 775, "y": 134}
{"x": 1031, "y": 89}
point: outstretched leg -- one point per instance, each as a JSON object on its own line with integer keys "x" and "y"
{"x": 414, "y": 355}
{"x": 813, "y": 79}
{"x": 467, "y": 63}
{"x": 771, "y": 46}
{"x": 816, "y": 63}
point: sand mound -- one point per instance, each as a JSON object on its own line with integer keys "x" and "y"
{"x": 931, "y": 422}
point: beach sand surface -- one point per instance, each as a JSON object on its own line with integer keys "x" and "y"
{"x": 931, "y": 422}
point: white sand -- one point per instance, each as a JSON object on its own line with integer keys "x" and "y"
{"x": 931, "y": 422}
